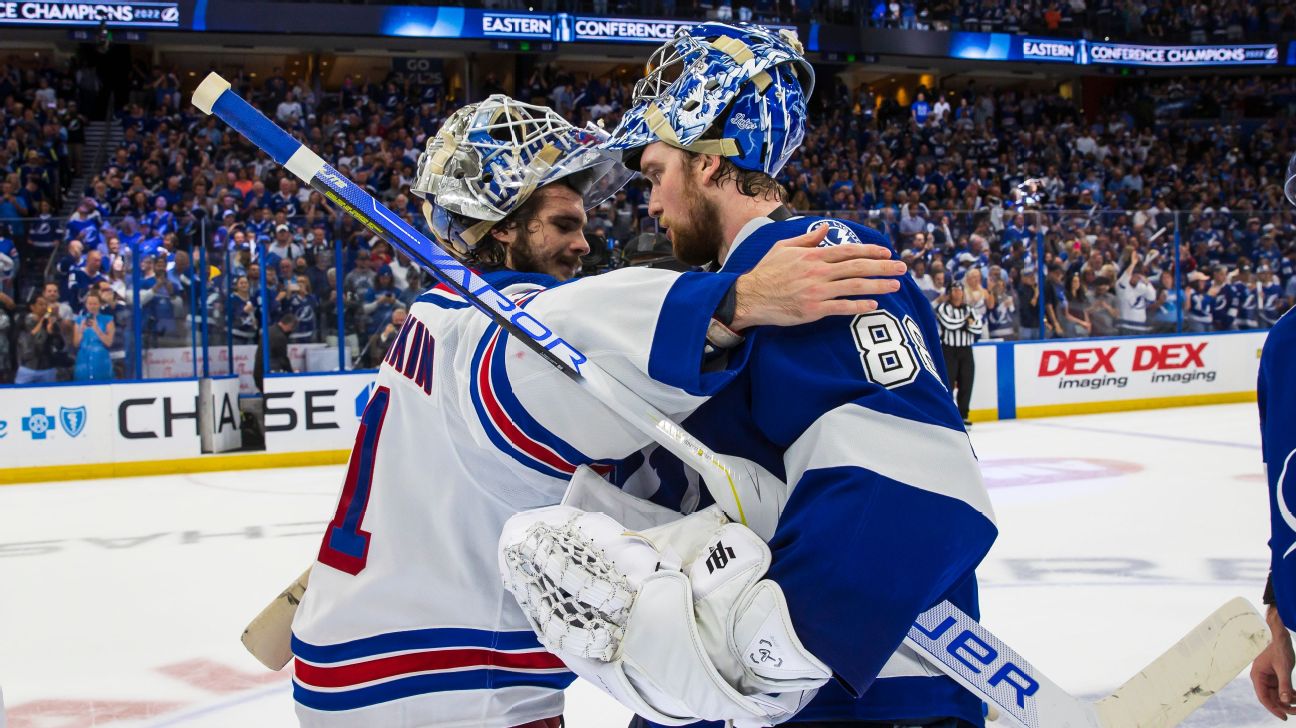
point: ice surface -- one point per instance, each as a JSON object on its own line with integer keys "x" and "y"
{"x": 122, "y": 600}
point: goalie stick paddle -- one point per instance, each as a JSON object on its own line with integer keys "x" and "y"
{"x": 269, "y": 635}
{"x": 1161, "y": 695}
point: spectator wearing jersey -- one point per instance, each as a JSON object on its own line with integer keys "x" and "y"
{"x": 120, "y": 311}
{"x": 1135, "y": 294}
{"x": 83, "y": 225}
{"x": 1246, "y": 292}
{"x": 381, "y": 299}
{"x": 44, "y": 232}
{"x": 163, "y": 307}
{"x": 9, "y": 261}
{"x": 960, "y": 327}
{"x": 303, "y": 304}
{"x": 1224, "y": 307}
{"x": 161, "y": 219}
{"x": 85, "y": 279}
{"x": 1001, "y": 317}
{"x": 1198, "y": 317}
{"x": 976, "y": 295}
{"x": 241, "y": 314}
{"x": 1272, "y": 302}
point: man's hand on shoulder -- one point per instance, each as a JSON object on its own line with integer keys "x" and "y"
{"x": 798, "y": 282}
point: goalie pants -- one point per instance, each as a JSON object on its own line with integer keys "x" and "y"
{"x": 931, "y": 723}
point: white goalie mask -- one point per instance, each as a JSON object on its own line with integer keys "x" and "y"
{"x": 487, "y": 159}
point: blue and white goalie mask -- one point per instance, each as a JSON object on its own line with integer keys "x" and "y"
{"x": 744, "y": 84}
{"x": 487, "y": 159}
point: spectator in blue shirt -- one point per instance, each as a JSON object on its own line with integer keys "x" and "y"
{"x": 921, "y": 109}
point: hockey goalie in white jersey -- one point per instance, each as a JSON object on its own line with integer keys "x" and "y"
{"x": 405, "y": 622}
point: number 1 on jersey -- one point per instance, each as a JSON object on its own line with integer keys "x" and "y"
{"x": 346, "y": 546}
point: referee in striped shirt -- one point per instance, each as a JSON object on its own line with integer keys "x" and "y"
{"x": 960, "y": 327}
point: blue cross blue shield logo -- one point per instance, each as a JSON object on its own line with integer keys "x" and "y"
{"x": 38, "y": 424}
{"x": 72, "y": 419}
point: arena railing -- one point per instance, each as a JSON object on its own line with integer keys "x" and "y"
{"x": 205, "y": 303}
{"x": 1165, "y": 271}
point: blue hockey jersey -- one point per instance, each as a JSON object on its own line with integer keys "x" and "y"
{"x": 1276, "y": 393}
{"x": 887, "y": 513}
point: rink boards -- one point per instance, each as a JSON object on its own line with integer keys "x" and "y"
{"x": 68, "y": 431}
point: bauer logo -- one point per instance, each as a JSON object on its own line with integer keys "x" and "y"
{"x": 952, "y": 639}
{"x": 335, "y": 180}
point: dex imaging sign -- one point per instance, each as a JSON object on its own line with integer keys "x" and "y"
{"x": 1169, "y": 368}
{"x": 129, "y": 14}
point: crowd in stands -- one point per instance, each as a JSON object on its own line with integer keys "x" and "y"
{"x": 1148, "y": 20}
{"x": 1232, "y": 21}
{"x": 935, "y": 175}
{"x": 938, "y": 179}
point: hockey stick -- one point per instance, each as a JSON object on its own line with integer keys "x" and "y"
{"x": 746, "y": 492}
{"x": 735, "y": 484}
{"x": 1161, "y": 695}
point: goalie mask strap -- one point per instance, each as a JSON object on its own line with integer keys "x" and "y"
{"x": 658, "y": 124}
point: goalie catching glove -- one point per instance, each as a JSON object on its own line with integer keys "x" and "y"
{"x": 675, "y": 622}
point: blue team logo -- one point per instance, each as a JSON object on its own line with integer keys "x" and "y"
{"x": 38, "y": 424}
{"x": 838, "y": 233}
{"x": 72, "y": 419}
{"x": 362, "y": 399}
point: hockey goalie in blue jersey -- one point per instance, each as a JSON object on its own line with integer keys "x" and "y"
{"x": 402, "y": 625}
{"x": 885, "y": 513}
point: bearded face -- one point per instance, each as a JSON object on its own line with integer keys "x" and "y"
{"x": 695, "y": 233}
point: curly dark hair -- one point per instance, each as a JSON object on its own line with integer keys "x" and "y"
{"x": 491, "y": 253}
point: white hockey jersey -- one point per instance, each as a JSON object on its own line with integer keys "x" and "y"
{"x": 406, "y": 622}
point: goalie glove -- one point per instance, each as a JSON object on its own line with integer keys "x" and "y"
{"x": 675, "y": 622}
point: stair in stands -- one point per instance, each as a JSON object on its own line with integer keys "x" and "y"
{"x": 101, "y": 139}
